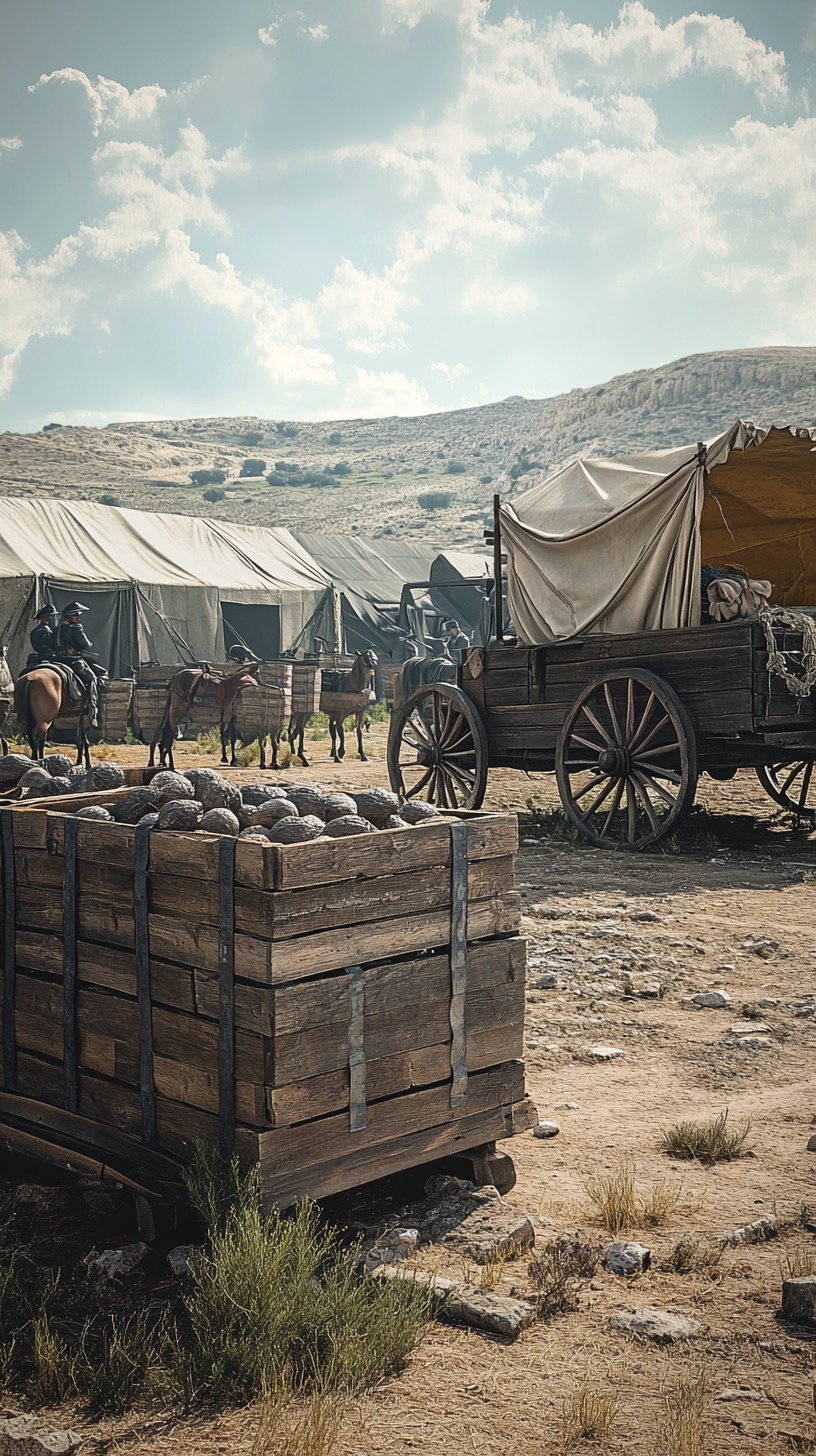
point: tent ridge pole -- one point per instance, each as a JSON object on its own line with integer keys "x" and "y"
{"x": 497, "y": 568}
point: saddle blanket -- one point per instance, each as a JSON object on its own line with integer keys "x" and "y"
{"x": 70, "y": 682}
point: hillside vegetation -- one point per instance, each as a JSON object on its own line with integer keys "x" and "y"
{"x": 431, "y": 477}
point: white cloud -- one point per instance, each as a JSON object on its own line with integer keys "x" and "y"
{"x": 267, "y": 34}
{"x": 389, "y": 393}
{"x": 364, "y": 307}
{"x": 36, "y": 299}
{"x": 10, "y": 144}
{"x": 315, "y": 32}
{"x": 112, "y": 105}
{"x": 452, "y": 372}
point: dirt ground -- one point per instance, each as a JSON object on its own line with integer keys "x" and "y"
{"x": 605, "y": 929}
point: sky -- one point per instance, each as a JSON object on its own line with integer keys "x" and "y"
{"x": 375, "y": 207}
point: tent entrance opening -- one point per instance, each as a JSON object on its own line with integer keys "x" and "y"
{"x": 256, "y": 626}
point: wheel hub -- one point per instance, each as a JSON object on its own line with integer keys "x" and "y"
{"x": 428, "y": 757}
{"x": 615, "y": 761}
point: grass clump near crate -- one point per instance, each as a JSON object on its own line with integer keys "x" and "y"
{"x": 691, "y": 1255}
{"x": 707, "y": 1142}
{"x": 619, "y": 1205}
{"x": 800, "y": 1263}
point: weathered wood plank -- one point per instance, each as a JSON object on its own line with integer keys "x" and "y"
{"x": 420, "y": 1067}
{"x": 392, "y": 851}
{"x": 361, "y": 1164}
{"x": 290, "y": 1149}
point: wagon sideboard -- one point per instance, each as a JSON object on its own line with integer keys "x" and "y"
{"x": 740, "y": 713}
{"x": 335, "y": 1011}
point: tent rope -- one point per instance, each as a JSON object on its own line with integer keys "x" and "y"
{"x": 771, "y": 617}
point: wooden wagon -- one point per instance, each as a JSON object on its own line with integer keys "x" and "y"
{"x": 628, "y": 720}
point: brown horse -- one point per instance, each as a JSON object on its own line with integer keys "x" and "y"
{"x": 181, "y": 703}
{"x": 342, "y": 695}
{"x": 39, "y": 698}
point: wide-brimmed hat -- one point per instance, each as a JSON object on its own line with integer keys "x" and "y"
{"x": 74, "y": 607}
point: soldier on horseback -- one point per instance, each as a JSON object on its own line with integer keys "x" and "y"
{"x": 72, "y": 647}
{"x": 44, "y": 637}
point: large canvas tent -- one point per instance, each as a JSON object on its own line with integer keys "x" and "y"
{"x": 160, "y": 587}
{"x": 370, "y": 575}
{"x": 617, "y": 545}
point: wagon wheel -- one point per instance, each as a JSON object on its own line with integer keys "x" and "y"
{"x": 437, "y": 749}
{"x": 791, "y": 784}
{"x": 626, "y": 760}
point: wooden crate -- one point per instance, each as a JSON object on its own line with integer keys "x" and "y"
{"x": 307, "y": 680}
{"x": 335, "y": 1010}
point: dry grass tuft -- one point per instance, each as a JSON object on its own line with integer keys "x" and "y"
{"x": 619, "y": 1205}
{"x": 682, "y": 1429}
{"x": 587, "y": 1416}
{"x": 106, "y": 751}
{"x": 695, "y": 1256}
{"x": 800, "y": 1263}
{"x": 558, "y": 1272}
{"x": 307, "y": 1427}
{"x": 615, "y": 1199}
{"x": 707, "y": 1142}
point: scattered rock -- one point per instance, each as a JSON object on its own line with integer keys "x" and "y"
{"x": 755, "y": 1041}
{"x": 393, "y": 1248}
{"x": 606, "y": 1053}
{"x": 767, "y": 1003}
{"x": 712, "y": 1000}
{"x": 751, "y": 1028}
{"x": 567, "y": 1106}
{"x": 114, "y": 1263}
{"x": 753, "y": 1233}
{"x": 623, "y": 1257}
{"x": 31, "y": 1436}
{"x": 477, "y": 1221}
{"x": 501, "y": 1314}
{"x": 656, "y": 1324}
{"x": 547, "y": 982}
{"x": 799, "y": 1299}
{"x": 546, "y": 1129}
{"x": 645, "y": 915}
{"x": 811, "y": 1144}
{"x": 742, "y": 1393}
{"x": 648, "y": 989}
{"x": 761, "y": 946}
{"x": 179, "y": 1257}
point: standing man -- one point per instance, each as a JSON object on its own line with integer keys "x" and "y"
{"x": 71, "y": 646}
{"x": 44, "y": 637}
{"x": 456, "y": 638}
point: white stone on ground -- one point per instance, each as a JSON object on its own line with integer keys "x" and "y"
{"x": 656, "y": 1324}
{"x": 115, "y": 1262}
{"x": 624, "y": 1257}
{"x": 546, "y": 1129}
{"x": 31, "y": 1436}
{"x": 606, "y": 1053}
{"x": 712, "y": 1000}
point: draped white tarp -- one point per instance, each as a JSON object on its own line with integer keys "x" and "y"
{"x": 152, "y": 579}
{"x": 615, "y": 545}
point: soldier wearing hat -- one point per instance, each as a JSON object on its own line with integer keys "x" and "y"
{"x": 456, "y": 637}
{"x": 44, "y": 637}
{"x": 72, "y": 645}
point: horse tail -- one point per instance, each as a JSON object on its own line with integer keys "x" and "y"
{"x": 30, "y": 724}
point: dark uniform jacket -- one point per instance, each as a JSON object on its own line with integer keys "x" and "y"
{"x": 44, "y": 642}
{"x": 71, "y": 640}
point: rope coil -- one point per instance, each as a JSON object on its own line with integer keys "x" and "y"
{"x": 771, "y": 617}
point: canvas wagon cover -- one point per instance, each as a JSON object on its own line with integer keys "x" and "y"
{"x": 616, "y": 545}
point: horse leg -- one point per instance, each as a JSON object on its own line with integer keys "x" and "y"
{"x": 224, "y": 732}
{"x": 333, "y": 733}
{"x": 168, "y": 734}
{"x": 360, "y": 750}
{"x": 275, "y": 744}
{"x": 341, "y": 734}
{"x": 4, "y": 742}
{"x": 233, "y": 741}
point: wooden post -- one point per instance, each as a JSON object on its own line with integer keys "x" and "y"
{"x": 497, "y": 568}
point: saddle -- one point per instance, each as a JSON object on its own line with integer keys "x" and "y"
{"x": 72, "y": 687}
{"x": 216, "y": 689}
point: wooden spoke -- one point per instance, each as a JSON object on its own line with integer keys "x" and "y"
{"x": 630, "y": 710}
{"x": 647, "y": 713}
{"x": 612, "y": 716}
{"x": 614, "y": 809}
{"x": 808, "y": 774}
{"x": 596, "y": 725}
{"x": 585, "y": 743}
{"x": 656, "y": 752}
{"x": 417, "y": 788}
{"x": 656, "y": 772}
{"x": 643, "y": 795}
{"x": 647, "y": 782}
{"x": 646, "y": 741}
{"x": 631, "y": 810}
{"x": 596, "y": 803}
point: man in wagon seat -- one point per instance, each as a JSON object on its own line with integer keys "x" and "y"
{"x": 72, "y": 647}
